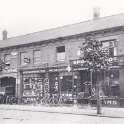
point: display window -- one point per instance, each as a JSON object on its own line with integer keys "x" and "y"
{"x": 33, "y": 85}
{"x": 108, "y": 81}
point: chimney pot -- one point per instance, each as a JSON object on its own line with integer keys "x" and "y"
{"x": 96, "y": 12}
{"x": 4, "y": 34}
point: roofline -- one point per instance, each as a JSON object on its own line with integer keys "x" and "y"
{"x": 38, "y": 42}
{"x": 64, "y": 26}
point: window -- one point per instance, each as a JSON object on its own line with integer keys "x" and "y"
{"x": 111, "y": 86}
{"x": 25, "y": 59}
{"x": 33, "y": 84}
{"x": 37, "y": 57}
{"x": 60, "y": 53}
{"x": 110, "y": 47}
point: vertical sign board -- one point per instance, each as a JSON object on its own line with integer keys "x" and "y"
{"x": 46, "y": 86}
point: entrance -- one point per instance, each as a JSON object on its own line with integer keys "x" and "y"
{"x": 67, "y": 89}
{"x": 9, "y": 84}
{"x": 85, "y": 83}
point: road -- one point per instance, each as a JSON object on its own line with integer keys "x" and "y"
{"x": 28, "y": 117}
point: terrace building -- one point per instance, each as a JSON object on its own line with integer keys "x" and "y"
{"x": 46, "y": 63}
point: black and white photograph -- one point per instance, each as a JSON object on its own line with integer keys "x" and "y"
{"x": 61, "y": 61}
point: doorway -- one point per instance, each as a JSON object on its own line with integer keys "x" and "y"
{"x": 9, "y": 84}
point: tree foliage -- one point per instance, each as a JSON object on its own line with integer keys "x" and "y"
{"x": 94, "y": 55}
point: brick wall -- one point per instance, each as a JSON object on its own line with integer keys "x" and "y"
{"x": 72, "y": 44}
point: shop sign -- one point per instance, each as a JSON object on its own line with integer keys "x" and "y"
{"x": 46, "y": 85}
{"x": 78, "y": 62}
{"x": 10, "y": 70}
{"x": 53, "y": 70}
{"x": 82, "y": 64}
{"x": 35, "y": 71}
{"x": 111, "y": 102}
{"x": 76, "y": 69}
{"x": 56, "y": 69}
{"x": 44, "y": 71}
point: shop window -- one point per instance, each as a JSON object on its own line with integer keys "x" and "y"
{"x": 25, "y": 59}
{"x": 32, "y": 85}
{"x": 27, "y": 84}
{"x": 111, "y": 86}
{"x": 37, "y": 57}
{"x": 60, "y": 53}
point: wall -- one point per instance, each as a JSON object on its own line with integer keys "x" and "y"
{"x": 72, "y": 45}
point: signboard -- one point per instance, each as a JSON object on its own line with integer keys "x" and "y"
{"x": 46, "y": 85}
{"x": 80, "y": 64}
{"x": 110, "y": 102}
{"x": 43, "y": 70}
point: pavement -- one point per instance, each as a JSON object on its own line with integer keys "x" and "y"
{"x": 76, "y": 110}
{"x": 30, "y": 117}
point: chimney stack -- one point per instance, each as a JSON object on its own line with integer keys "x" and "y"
{"x": 96, "y": 12}
{"x": 4, "y": 33}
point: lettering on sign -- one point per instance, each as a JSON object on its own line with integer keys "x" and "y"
{"x": 110, "y": 102}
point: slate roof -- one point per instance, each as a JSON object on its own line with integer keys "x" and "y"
{"x": 68, "y": 30}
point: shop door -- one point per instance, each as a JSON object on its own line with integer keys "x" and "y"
{"x": 85, "y": 85}
{"x": 67, "y": 85}
{"x": 9, "y": 83}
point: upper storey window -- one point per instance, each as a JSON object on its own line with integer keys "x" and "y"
{"x": 60, "y": 53}
{"x": 25, "y": 58}
{"x": 111, "y": 47}
{"x": 37, "y": 57}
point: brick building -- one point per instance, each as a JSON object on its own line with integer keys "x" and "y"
{"x": 42, "y": 64}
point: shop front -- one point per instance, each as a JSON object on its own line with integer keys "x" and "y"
{"x": 60, "y": 86}
{"x": 88, "y": 80}
{"x": 46, "y": 86}
{"x": 32, "y": 86}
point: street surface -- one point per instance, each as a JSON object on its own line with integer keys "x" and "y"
{"x": 30, "y": 117}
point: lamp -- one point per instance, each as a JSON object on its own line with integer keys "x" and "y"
{"x": 68, "y": 68}
{"x": 61, "y": 77}
{"x": 75, "y": 77}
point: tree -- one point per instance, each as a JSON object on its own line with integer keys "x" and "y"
{"x": 96, "y": 58}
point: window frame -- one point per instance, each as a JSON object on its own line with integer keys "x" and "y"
{"x": 36, "y": 57}
{"x": 60, "y": 52}
{"x": 115, "y": 46}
